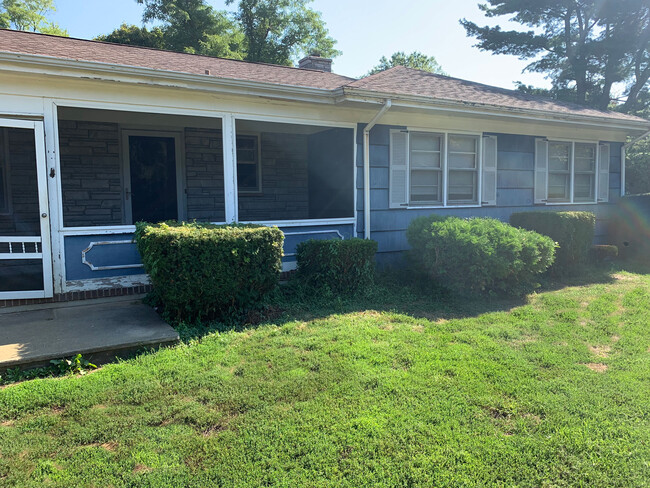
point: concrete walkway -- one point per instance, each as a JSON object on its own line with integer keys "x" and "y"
{"x": 99, "y": 329}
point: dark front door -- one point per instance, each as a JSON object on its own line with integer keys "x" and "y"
{"x": 152, "y": 168}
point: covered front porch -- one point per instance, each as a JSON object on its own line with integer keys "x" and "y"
{"x": 112, "y": 168}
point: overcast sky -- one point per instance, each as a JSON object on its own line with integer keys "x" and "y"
{"x": 365, "y": 31}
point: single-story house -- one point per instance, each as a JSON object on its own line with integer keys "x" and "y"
{"x": 96, "y": 136}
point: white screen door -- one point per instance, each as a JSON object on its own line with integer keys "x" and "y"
{"x": 25, "y": 254}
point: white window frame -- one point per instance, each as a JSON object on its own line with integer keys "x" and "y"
{"x": 445, "y": 168}
{"x": 5, "y": 204}
{"x": 572, "y": 173}
{"x": 258, "y": 163}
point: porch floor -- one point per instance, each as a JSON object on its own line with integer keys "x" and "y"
{"x": 99, "y": 329}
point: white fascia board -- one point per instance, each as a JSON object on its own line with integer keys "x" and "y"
{"x": 48, "y": 65}
{"x": 427, "y": 103}
{"x": 28, "y": 63}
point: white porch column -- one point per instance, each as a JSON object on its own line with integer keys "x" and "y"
{"x": 51, "y": 127}
{"x": 230, "y": 168}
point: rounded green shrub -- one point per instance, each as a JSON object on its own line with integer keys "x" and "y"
{"x": 203, "y": 271}
{"x": 573, "y": 232}
{"x": 479, "y": 255}
{"x": 342, "y": 266}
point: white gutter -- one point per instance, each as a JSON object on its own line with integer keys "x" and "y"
{"x": 366, "y": 167}
{"x": 624, "y": 149}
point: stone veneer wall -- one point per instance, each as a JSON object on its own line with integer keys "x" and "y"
{"x": 204, "y": 175}
{"x": 285, "y": 193}
{"x": 23, "y": 217}
{"x": 91, "y": 173}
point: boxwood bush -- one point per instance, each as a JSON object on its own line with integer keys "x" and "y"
{"x": 203, "y": 271}
{"x": 342, "y": 266}
{"x": 573, "y": 231}
{"x": 479, "y": 255}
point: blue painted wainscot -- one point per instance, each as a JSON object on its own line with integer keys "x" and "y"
{"x": 115, "y": 255}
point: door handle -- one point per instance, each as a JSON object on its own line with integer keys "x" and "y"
{"x": 44, "y": 215}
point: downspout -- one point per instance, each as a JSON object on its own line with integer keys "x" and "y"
{"x": 624, "y": 149}
{"x": 366, "y": 167}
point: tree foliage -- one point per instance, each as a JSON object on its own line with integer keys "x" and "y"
{"x": 29, "y": 15}
{"x": 415, "y": 60}
{"x": 637, "y": 177}
{"x": 279, "y": 31}
{"x": 272, "y": 31}
{"x": 585, "y": 47}
{"x": 135, "y": 36}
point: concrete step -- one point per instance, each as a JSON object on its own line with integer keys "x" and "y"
{"x": 100, "y": 329}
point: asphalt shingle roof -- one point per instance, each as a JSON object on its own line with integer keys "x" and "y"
{"x": 407, "y": 81}
{"x": 119, "y": 54}
{"x": 395, "y": 81}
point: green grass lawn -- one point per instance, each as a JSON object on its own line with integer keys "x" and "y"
{"x": 395, "y": 389}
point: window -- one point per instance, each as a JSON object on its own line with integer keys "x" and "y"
{"x": 571, "y": 172}
{"x": 249, "y": 176}
{"x": 425, "y": 156}
{"x": 463, "y": 164}
{"x": 436, "y": 169}
{"x": 584, "y": 179}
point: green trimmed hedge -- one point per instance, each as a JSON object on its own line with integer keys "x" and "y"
{"x": 573, "y": 231}
{"x": 204, "y": 271}
{"x": 342, "y": 266}
{"x": 603, "y": 252}
{"x": 479, "y": 255}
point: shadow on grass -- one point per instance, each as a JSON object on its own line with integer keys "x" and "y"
{"x": 394, "y": 292}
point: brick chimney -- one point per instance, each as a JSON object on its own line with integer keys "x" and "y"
{"x": 314, "y": 61}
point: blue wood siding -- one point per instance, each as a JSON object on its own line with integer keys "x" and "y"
{"x": 100, "y": 255}
{"x": 295, "y": 235}
{"x": 515, "y": 189}
{"x": 126, "y": 253}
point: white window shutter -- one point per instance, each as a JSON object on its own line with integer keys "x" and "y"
{"x": 603, "y": 173}
{"x": 399, "y": 194}
{"x": 541, "y": 170}
{"x": 489, "y": 188}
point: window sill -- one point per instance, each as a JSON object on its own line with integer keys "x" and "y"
{"x": 548, "y": 204}
{"x": 425, "y": 207}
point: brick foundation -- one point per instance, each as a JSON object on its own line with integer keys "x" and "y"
{"x": 79, "y": 295}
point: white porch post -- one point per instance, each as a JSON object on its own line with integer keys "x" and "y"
{"x": 51, "y": 127}
{"x": 230, "y": 168}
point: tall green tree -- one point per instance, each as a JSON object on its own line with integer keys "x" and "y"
{"x": 190, "y": 26}
{"x": 280, "y": 31}
{"x": 271, "y": 31}
{"x": 186, "y": 23}
{"x": 135, "y": 36}
{"x": 585, "y": 47}
{"x": 415, "y": 60}
{"x": 29, "y": 15}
